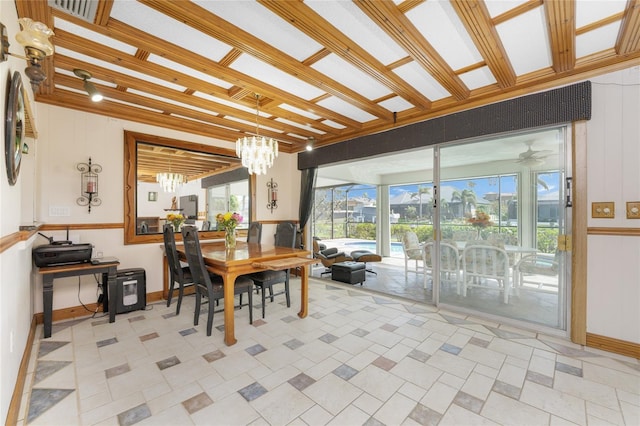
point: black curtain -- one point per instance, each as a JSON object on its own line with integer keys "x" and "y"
{"x": 307, "y": 183}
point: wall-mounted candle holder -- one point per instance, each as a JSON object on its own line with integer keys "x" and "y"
{"x": 89, "y": 184}
{"x": 272, "y": 187}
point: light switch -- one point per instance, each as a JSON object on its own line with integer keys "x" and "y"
{"x": 633, "y": 210}
{"x": 603, "y": 210}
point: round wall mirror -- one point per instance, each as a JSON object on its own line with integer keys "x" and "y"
{"x": 14, "y": 128}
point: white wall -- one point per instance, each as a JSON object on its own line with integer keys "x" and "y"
{"x": 69, "y": 137}
{"x": 16, "y": 205}
{"x": 613, "y": 167}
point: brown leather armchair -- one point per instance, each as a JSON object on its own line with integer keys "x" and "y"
{"x": 328, "y": 256}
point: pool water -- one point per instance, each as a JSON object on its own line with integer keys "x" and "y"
{"x": 396, "y": 247}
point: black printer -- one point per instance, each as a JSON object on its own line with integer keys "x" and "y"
{"x": 61, "y": 253}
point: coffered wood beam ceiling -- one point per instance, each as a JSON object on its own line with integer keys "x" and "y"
{"x": 315, "y": 77}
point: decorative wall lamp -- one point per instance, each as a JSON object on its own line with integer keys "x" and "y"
{"x": 34, "y": 37}
{"x": 273, "y": 195}
{"x": 88, "y": 86}
{"x": 89, "y": 184}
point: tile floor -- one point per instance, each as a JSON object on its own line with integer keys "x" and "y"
{"x": 358, "y": 359}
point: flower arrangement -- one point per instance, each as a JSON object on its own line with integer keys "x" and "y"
{"x": 176, "y": 220}
{"x": 229, "y": 220}
{"x": 480, "y": 220}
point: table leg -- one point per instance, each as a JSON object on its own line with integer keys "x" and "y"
{"x": 229, "y": 327}
{"x": 304, "y": 292}
{"x": 47, "y": 301}
{"x": 112, "y": 288}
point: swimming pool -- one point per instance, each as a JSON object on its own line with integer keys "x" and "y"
{"x": 396, "y": 247}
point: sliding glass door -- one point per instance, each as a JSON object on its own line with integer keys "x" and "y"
{"x": 500, "y": 218}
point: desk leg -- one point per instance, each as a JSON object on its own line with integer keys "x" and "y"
{"x": 304, "y": 292}
{"x": 47, "y": 302}
{"x": 112, "y": 286}
{"x": 229, "y": 327}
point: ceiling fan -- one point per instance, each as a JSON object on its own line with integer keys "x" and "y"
{"x": 531, "y": 157}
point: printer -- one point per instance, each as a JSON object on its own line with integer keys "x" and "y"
{"x": 61, "y": 253}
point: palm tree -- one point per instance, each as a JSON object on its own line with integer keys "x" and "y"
{"x": 418, "y": 195}
{"x": 466, "y": 197}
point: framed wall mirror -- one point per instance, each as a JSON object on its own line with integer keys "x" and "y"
{"x": 195, "y": 173}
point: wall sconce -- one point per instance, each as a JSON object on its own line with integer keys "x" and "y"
{"x": 88, "y": 86}
{"x": 272, "y": 187}
{"x": 89, "y": 184}
{"x": 34, "y": 37}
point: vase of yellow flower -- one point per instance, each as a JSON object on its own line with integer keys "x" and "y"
{"x": 480, "y": 221}
{"x": 228, "y": 221}
{"x": 176, "y": 219}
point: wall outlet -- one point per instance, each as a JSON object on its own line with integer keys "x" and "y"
{"x": 605, "y": 210}
{"x": 633, "y": 210}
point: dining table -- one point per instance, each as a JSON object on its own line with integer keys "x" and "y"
{"x": 247, "y": 258}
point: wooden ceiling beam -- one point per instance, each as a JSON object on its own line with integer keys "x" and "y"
{"x": 476, "y": 19}
{"x": 629, "y": 36}
{"x": 561, "y": 27}
{"x": 134, "y": 37}
{"x": 112, "y": 56}
{"x": 315, "y": 26}
{"x": 388, "y": 17}
{"x": 199, "y": 18}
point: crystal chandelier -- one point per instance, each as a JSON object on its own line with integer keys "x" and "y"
{"x": 170, "y": 181}
{"x": 257, "y": 152}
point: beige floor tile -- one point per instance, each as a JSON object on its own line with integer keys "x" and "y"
{"x": 332, "y": 393}
{"x": 561, "y": 404}
{"x": 395, "y": 410}
{"x": 282, "y": 404}
{"x": 508, "y": 411}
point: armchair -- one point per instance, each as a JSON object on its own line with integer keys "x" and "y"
{"x": 328, "y": 256}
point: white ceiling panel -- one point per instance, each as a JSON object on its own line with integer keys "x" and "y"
{"x": 421, "y": 81}
{"x": 165, "y": 28}
{"x": 188, "y": 71}
{"x": 269, "y": 74}
{"x": 258, "y": 21}
{"x": 597, "y": 40}
{"x": 94, "y": 36}
{"x": 348, "y": 110}
{"x": 590, "y": 11}
{"x": 347, "y": 18}
{"x": 350, "y": 76}
{"x": 526, "y": 41}
{"x": 440, "y": 24}
{"x": 396, "y": 104}
{"x": 477, "y": 78}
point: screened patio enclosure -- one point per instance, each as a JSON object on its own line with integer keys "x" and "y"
{"x": 505, "y": 192}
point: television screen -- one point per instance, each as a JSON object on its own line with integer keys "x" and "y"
{"x": 189, "y": 206}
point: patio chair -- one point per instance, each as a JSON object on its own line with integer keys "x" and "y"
{"x": 413, "y": 250}
{"x": 482, "y": 261}
{"x": 536, "y": 267}
{"x": 328, "y": 256}
{"x": 450, "y": 262}
{"x": 428, "y": 260}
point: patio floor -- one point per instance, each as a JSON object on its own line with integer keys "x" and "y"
{"x": 530, "y": 306}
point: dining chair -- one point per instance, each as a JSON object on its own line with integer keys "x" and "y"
{"x": 178, "y": 274}
{"x": 206, "y": 225}
{"x": 413, "y": 250}
{"x": 482, "y": 261}
{"x": 285, "y": 236}
{"x": 210, "y": 285}
{"x": 254, "y": 234}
